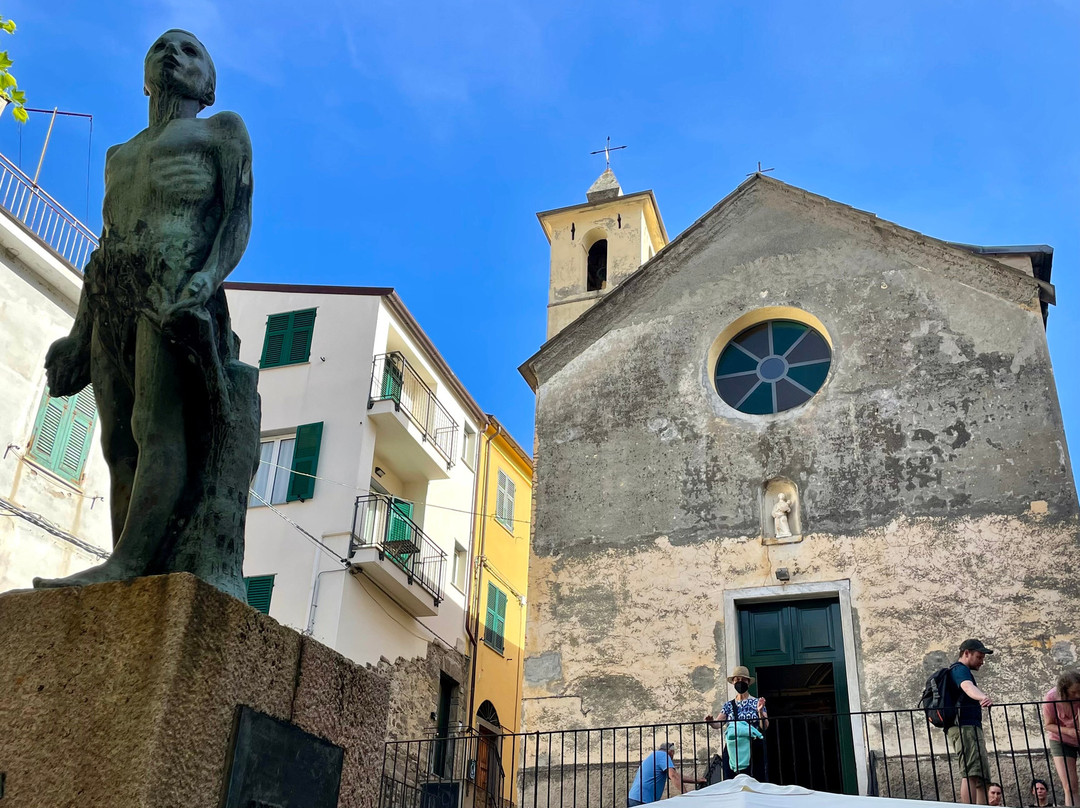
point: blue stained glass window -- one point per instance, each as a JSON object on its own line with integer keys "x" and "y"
{"x": 772, "y": 366}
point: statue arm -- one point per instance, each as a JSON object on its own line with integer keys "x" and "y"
{"x": 67, "y": 363}
{"x": 233, "y": 152}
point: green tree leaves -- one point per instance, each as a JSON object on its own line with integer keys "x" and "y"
{"x": 9, "y": 87}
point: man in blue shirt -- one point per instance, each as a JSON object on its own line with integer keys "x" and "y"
{"x": 652, "y": 776}
{"x": 966, "y": 736}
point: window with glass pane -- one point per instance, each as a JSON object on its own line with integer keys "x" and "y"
{"x": 271, "y": 483}
{"x": 772, "y": 366}
{"x": 461, "y": 563}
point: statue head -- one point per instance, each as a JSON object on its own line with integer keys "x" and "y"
{"x": 782, "y": 496}
{"x": 178, "y": 64}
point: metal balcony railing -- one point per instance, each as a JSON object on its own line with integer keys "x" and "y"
{"x": 443, "y": 768}
{"x": 887, "y": 753}
{"x": 384, "y": 522}
{"x": 46, "y": 218}
{"x": 394, "y": 379}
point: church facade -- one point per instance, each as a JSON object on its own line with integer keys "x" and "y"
{"x": 801, "y": 439}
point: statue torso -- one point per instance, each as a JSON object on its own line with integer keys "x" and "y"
{"x": 162, "y": 198}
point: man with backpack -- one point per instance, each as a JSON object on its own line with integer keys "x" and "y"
{"x": 965, "y": 736}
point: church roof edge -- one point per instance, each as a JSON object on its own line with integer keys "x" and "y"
{"x": 527, "y": 368}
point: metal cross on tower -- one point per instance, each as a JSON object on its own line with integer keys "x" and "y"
{"x": 607, "y": 150}
{"x": 760, "y": 170}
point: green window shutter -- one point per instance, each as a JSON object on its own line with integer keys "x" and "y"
{"x": 495, "y": 626}
{"x": 303, "y": 327}
{"x": 49, "y": 429}
{"x": 259, "y": 590}
{"x": 82, "y": 414}
{"x": 392, "y": 377}
{"x": 288, "y": 338}
{"x": 305, "y": 461}
{"x": 277, "y": 333}
{"x": 63, "y": 431}
{"x": 400, "y": 529}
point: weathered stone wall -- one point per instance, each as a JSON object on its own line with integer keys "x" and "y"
{"x": 414, "y": 691}
{"x": 932, "y": 469}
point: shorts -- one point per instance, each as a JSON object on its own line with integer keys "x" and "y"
{"x": 969, "y": 746}
{"x": 1062, "y": 750}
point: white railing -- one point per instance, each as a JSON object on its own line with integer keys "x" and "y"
{"x": 46, "y": 218}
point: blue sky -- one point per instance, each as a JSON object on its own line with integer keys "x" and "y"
{"x": 409, "y": 144}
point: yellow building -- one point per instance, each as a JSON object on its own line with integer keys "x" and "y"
{"x": 500, "y": 576}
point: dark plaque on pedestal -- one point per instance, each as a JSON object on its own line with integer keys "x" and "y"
{"x": 276, "y": 764}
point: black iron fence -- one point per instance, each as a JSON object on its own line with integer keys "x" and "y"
{"x": 382, "y": 521}
{"x": 888, "y": 753}
{"x": 394, "y": 379}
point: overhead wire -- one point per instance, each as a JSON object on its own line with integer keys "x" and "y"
{"x": 40, "y": 521}
{"x": 307, "y": 534}
{"x": 360, "y": 490}
{"x": 311, "y": 537}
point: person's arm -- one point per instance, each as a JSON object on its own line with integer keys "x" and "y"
{"x": 763, "y": 714}
{"x": 1050, "y": 724}
{"x": 678, "y": 781}
{"x": 234, "y": 165}
{"x": 974, "y": 692}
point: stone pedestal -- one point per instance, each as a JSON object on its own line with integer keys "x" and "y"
{"x": 124, "y": 695}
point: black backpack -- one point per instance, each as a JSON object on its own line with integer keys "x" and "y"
{"x": 939, "y": 698}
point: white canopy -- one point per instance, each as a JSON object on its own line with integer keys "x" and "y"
{"x": 745, "y": 791}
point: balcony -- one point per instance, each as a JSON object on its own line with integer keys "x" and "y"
{"x": 392, "y": 550}
{"x": 414, "y": 429}
{"x": 49, "y": 221}
{"x": 887, "y": 753}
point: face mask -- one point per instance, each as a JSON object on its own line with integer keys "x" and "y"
{"x": 741, "y": 687}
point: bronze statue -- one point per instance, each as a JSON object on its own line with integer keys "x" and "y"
{"x": 179, "y": 411}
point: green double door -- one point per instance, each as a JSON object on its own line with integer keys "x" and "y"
{"x": 796, "y": 651}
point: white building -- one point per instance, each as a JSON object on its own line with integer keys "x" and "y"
{"x": 54, "y": 511}
{"x": 360, "y": 523}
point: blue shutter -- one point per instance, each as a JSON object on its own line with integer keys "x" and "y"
{"x": 305, "y": 461}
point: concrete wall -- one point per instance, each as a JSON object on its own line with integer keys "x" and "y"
{"x": 932, "y": 467}
{"x": 38, "y": 299}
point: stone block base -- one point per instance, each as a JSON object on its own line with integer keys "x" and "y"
{"x": 123, "y": 695}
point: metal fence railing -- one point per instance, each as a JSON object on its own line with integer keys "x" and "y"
{"x": 888, "y": 753}
{"x": 394, "y": 379}
{"x": 46, "y": 218}
{"x": 381, "y": 521}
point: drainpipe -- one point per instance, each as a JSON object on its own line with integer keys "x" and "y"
{"x": 479, "y": 571}
{"x": 472, "y": 538}
{"x": 315, "y": 599}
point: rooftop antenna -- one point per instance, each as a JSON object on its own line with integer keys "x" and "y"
{"x": 607, "y": 150}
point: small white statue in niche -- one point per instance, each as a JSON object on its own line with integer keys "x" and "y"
{"x": 780, "y": 516}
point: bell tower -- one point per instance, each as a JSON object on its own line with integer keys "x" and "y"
{"x": 596, "y": 245}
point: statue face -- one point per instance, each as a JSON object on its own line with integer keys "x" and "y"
{"x": 178, "y": 64}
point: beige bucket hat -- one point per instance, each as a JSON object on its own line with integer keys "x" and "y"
{"x": 740, "y": 671}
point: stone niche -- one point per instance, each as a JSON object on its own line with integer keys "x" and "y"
{"x": 770, "y": 494}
